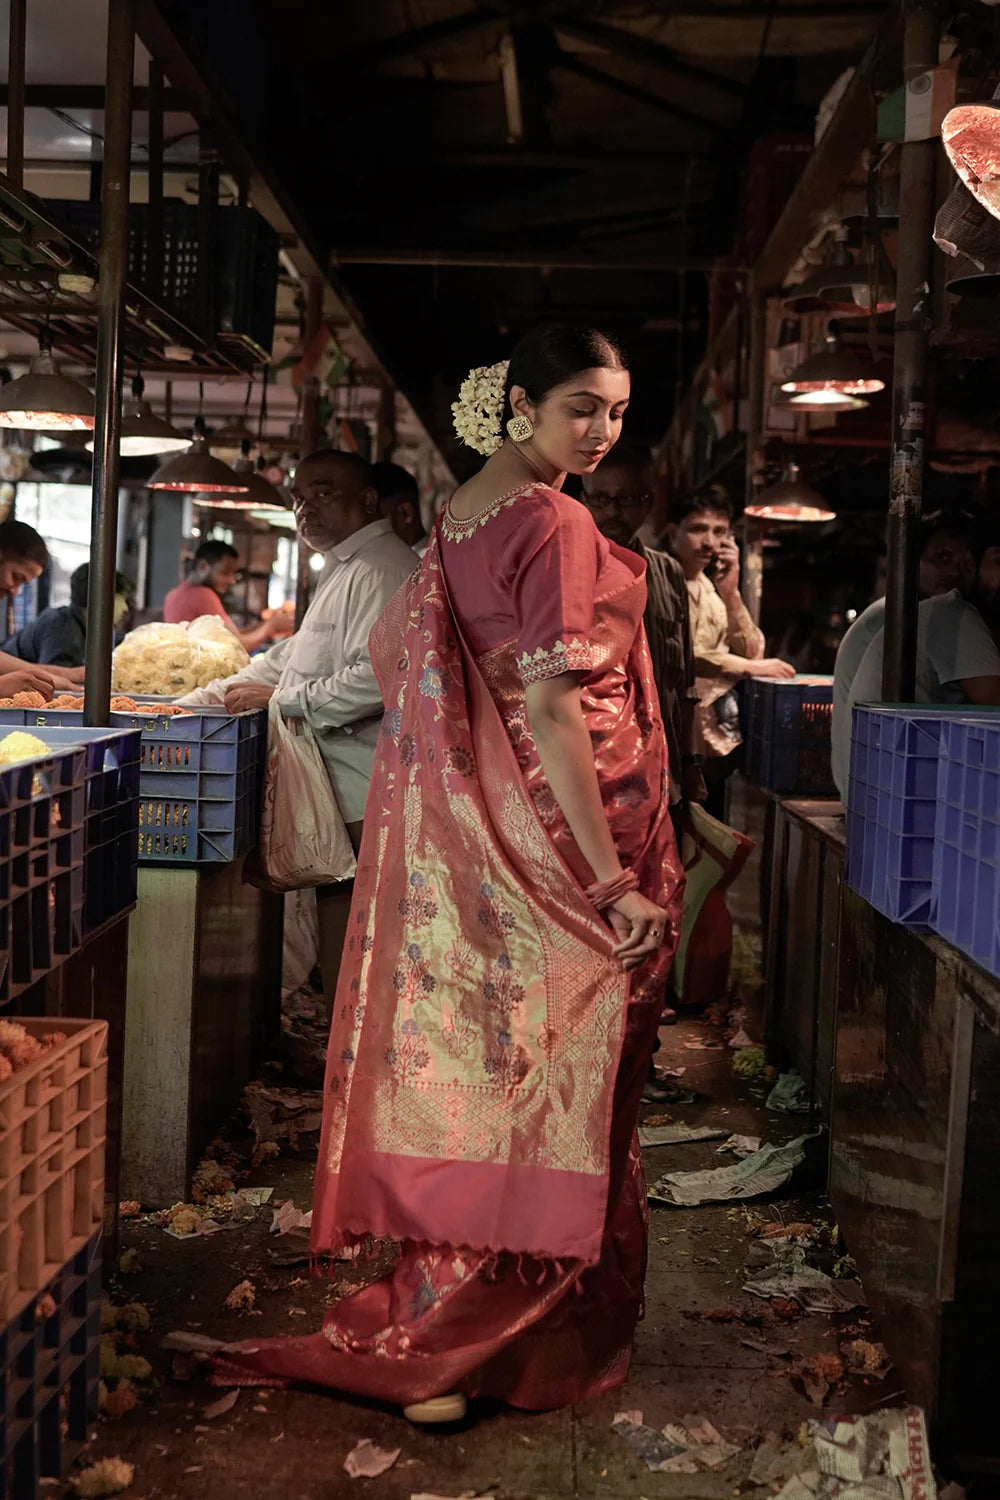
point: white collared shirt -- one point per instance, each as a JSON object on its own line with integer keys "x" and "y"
{"x": 323, "y": 673}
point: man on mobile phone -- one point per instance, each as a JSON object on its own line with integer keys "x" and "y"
{"x": 727, "y": 644}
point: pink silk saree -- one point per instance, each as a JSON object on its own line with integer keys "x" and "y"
{"x": 487, "y": 1054}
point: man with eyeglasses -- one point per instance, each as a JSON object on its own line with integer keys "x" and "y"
{"x": 323, "y": 674}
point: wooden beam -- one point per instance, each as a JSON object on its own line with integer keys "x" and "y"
{"x": 424, "y": 38}
{"x": 536, "y": 260}
{"x": 647, "y": 54}
{"x": 551, "y": 161}
{"x": 630, "y": 91}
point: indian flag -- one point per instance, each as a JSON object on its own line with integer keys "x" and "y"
{"x": 916, "y": 111}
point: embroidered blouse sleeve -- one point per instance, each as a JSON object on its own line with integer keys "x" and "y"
{"x": 554, "y": 562}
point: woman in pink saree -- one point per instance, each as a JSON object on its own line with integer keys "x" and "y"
{"x": 514, "y": 918}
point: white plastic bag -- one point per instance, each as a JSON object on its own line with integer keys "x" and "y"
{"x": 303, "y": 838}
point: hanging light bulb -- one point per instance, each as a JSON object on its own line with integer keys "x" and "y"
{"x": 197, "y": 471}
{"x": 833, "y": 369}
{"x": 790, "y": 500}
{"x": 143, "y": 433}
{"x": 45, "y": 401}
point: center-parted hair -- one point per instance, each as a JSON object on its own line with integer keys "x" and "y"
{"x": 553, "y": 353}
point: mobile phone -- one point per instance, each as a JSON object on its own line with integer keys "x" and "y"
{"x": 712, "y": 568}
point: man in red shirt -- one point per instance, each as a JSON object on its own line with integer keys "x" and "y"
{"x": 211, "y": 576}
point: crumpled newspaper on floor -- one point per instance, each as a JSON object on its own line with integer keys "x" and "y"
{"x": 763, "y": 1172}
{"x": 676, "y": 1448}
{"x": 884, "y": 1456}
{"x": 791, "y": 1277}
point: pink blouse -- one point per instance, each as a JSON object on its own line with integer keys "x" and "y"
{"x": 528, "y": 568}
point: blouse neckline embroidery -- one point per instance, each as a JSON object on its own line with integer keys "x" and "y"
{"x": 456, "y": 529}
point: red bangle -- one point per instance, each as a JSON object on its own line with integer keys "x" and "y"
{"x": 604, "y": 893}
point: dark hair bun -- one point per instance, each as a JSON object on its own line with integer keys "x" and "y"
{"x": 553, "y": 353}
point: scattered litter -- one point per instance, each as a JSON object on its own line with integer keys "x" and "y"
{"x": 131, "y": 1263}
{"x": 846, "y": 1267}
{"x": 117, "y": 1403}
{"x": 806, "y": 1234}
{"x": 790, "y": 1096}
{"x": 241, "y": 1298}
{"x": 288, "y": 1218}
{"x": 210, "y": 1181}
{"x": 130, "y": 1209}
{"x": 266, "y": 1151}
{"x": 676, "y": 1135}
{"x": 675, "y": 1093}
{"x": 865, "y": 1358}
{"x": 819, "y": 1375}
{"x": 367, "y": 1461}
{"x": 184, "y": 1342}
{"x": 763, "y": 1172}
{"x": 790, "y": 1277}
{"x": 702, "y": 1044}
{"x": 290, "y": 1118}
{"x": 663, "y": 1072}
{"x": 740, "y": 1145}
{"x": 109, "y": 1476}
{"x": 219, "y": 1408}
{"x": 740, "y": 1040}
{"x": 678, "y": 1448}
{"x": 888, "y": 1448}
{"x": 749, "y": 1062}
{"x": 777, "y": 1462}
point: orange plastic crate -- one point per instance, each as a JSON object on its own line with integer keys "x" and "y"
{"x": 52, "y": 1140}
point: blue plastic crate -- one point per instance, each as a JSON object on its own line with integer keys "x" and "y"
{"x": 892, "y": 810}
{"x": 105, "y": 806}
{"x": 49, "y": 1375}
{"x": 966, "y": 908}
{"x": 787, "y": 725}
{"x": 194, "y": 775}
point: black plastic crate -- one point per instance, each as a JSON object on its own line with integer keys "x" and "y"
{"x": 49, "y": 1374}
{"x": 787, "y": 725}
{"x": 246, "y": 269}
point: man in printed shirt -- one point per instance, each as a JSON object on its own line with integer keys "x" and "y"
{"x": 727, "y": 644}
{"x": 323, "y": 674}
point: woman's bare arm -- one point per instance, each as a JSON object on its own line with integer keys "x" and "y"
{"x": 564, "y": 749}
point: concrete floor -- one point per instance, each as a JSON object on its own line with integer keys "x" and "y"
{"x": 276, "y": 1445}
{"x": 291, "y": 1445}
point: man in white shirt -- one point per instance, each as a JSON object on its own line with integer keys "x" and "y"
{"x": 323, "y": 673}
{"x": 957, "y": 660}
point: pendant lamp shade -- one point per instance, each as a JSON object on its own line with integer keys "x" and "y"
{"x": 843, "y": 286}
{"x": 46, "y": 401}
{"x": 970, "y": 134}
{"x": 259, "y": 493}
{"x": 196, "y": 471}
{"x": 790, "y": 500}
{"x": 820, "y": 401}
{"x": 143, "y": 433}
{"x": 833, "y": 369}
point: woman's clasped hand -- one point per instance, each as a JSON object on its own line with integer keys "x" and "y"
{"x": 640, "y": 926}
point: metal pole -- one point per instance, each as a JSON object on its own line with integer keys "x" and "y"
{"x": 108, "y": 394}
{"x": 906, "y": 447}
{"x": 208, "y": 208}
{"x": 310, "y": 432}
{"x": 154, "y": 211}
{"x": 753, "y": 548}
{"x": 15, "y": 92}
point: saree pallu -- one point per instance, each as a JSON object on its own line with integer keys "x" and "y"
{"x": 487, "y": 1054}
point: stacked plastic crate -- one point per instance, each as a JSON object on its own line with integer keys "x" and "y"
{"x": 199, "y": 778}
{"x": 52, "y": 1141}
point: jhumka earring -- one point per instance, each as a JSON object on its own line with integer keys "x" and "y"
{"x": 520, "y": 429}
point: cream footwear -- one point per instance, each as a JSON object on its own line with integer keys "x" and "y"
{"x": 438, "y": 1409}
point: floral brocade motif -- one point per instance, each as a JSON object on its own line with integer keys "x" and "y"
{"x": 478, "y": 1014}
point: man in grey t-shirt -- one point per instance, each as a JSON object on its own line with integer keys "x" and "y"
{"x": 957, "y": 660}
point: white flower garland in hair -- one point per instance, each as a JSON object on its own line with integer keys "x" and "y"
{"x": 478, "y": 412}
